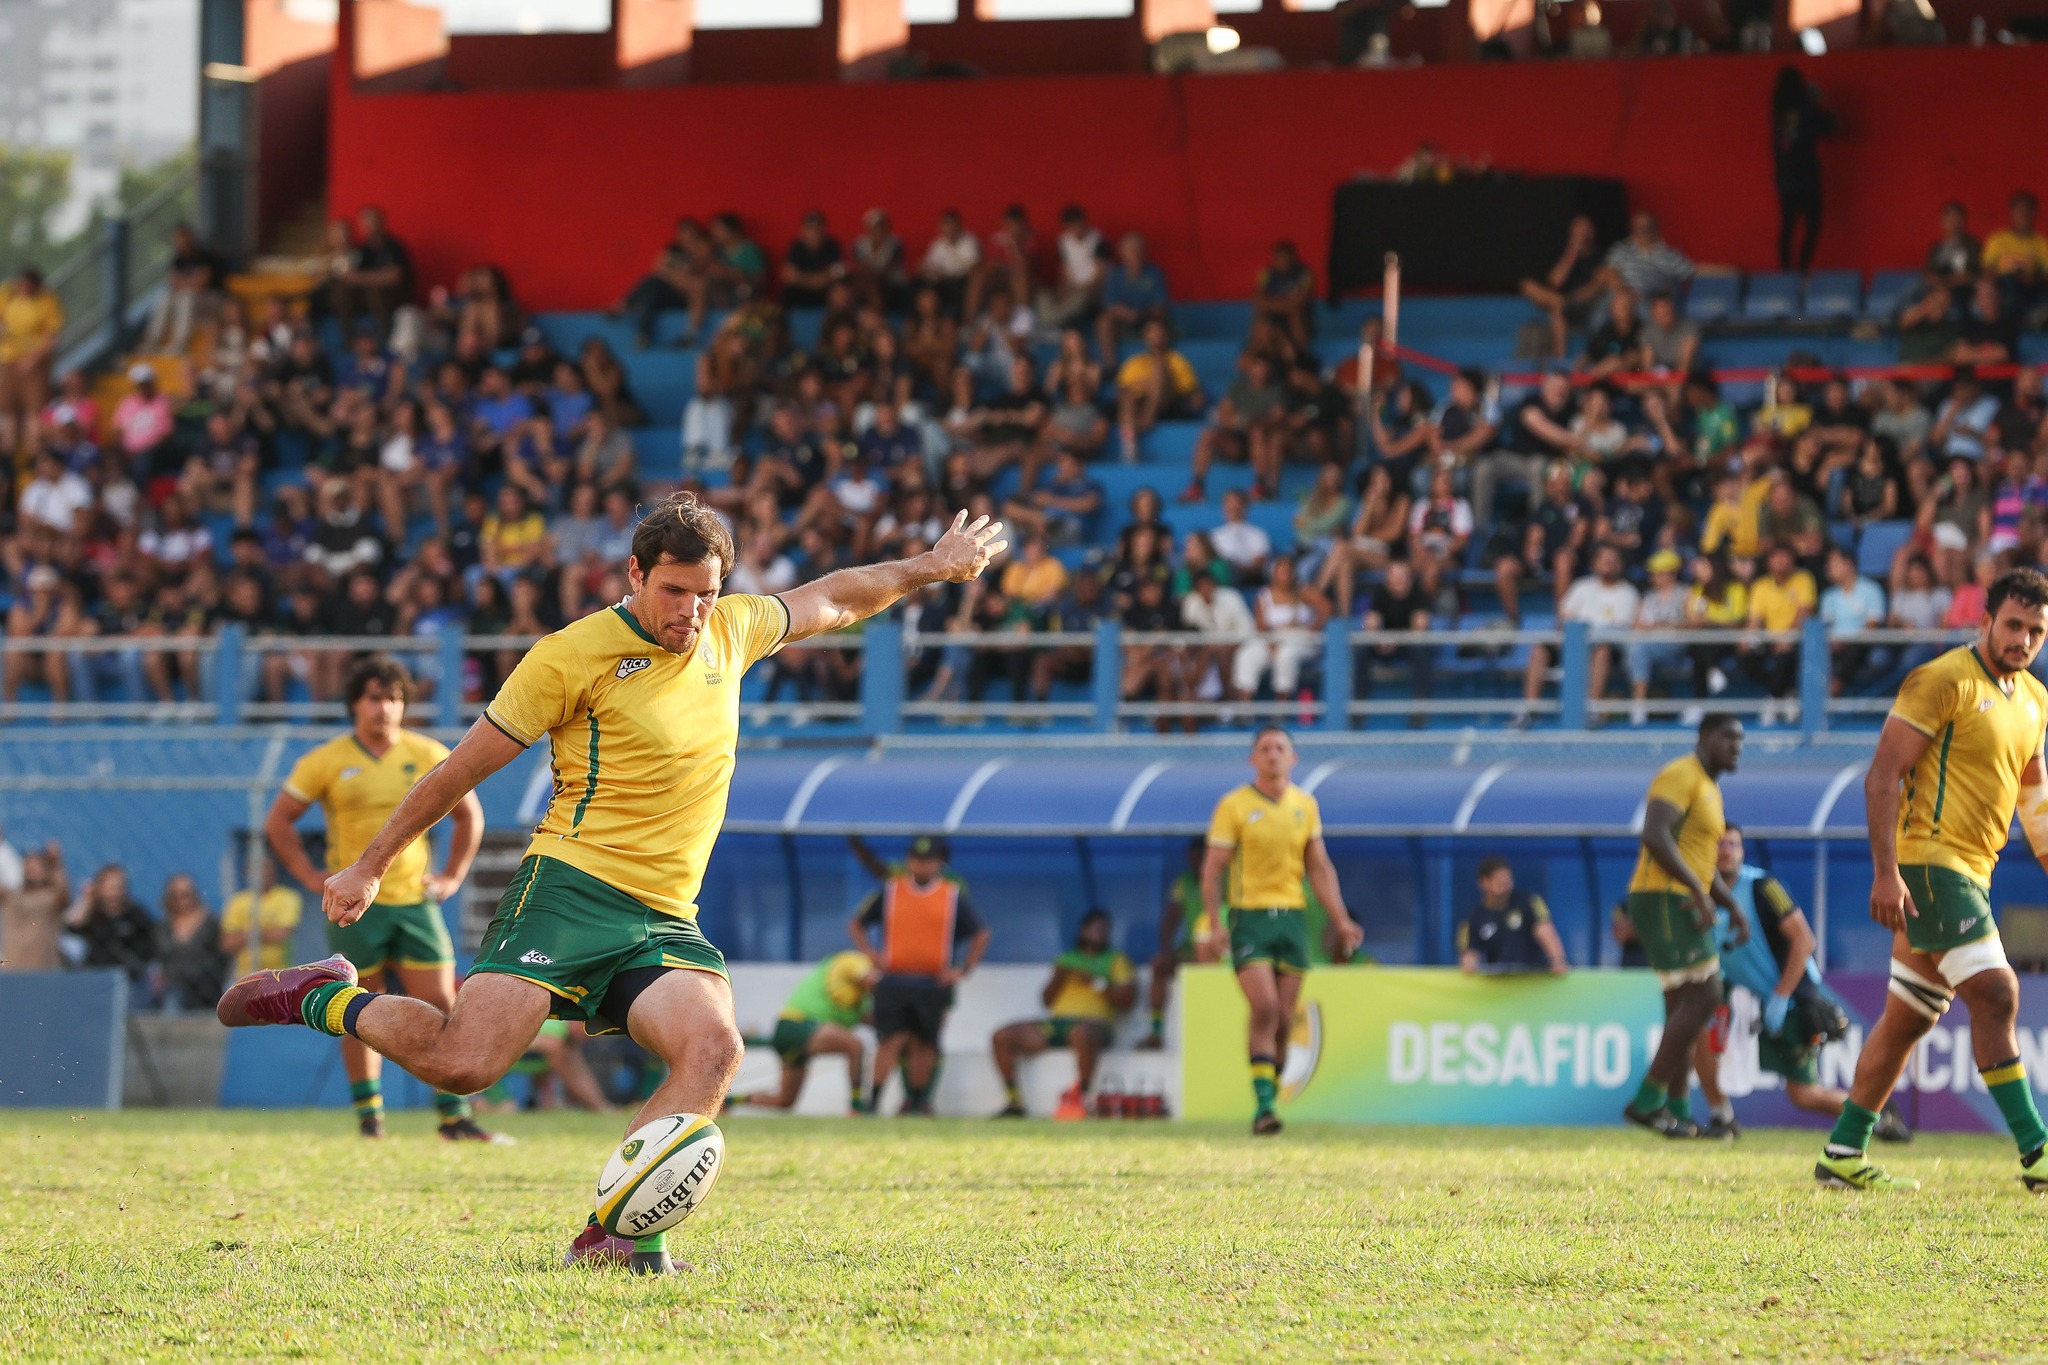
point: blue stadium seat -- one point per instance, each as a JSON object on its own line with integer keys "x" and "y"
{"x": 1713, "y": 298}
{"x": 1890, "y": 290}
{"x": 1881, "y": 540}
{"x": 1833, "y": 295}
{"x": 1228, "y": 319}
{"x": 1771, "y": 297}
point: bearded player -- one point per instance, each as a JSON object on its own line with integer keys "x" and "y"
{"x": 640, "y": 706}
{"x": 1267, "y": 839}
{"x": 1959, "y": 752}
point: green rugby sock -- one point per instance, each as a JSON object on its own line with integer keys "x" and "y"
{"x": 332, "y": 1006}
{"x": 2007, "y": 1083}
{"x": 1158, "y": 1023}
{"x": 1649, "y": 1098}
{"x": 367, "y": 1096}
{"x": 1265, "y": 1082}
{"x": 1678, "y": 1104}
{"x": 452, "y": 1107}
{"x": 1013, "y": 1095}
{"x": 1851, "y": 1135}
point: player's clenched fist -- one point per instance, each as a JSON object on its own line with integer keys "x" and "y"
{"x": 967, "y": 547}
{"x": 348, "y": 893}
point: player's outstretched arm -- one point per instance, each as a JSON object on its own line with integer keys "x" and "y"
{"x": 1899, "y": 747}
{"x": 483, "y": 751}
{"x": 841, "y": 599}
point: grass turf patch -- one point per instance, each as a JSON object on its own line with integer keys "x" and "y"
{"x": 264, "y": 1236}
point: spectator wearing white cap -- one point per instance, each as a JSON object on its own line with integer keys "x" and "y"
{"x": 1662, "y": 608}
{"x": 143, "y": 420}
{"x": 48, "y": 610}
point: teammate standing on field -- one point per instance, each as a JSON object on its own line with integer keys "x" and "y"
{"x": 1265, "y": 837}
{"x": 1960, "y": 751}
{"x": 819, "y": 1020}
{"x": 1775, "y": 965}
{"x": 1671, "y": 903}
{"x": 1178, "y": 920}
{"x": 640, "y": 706}
{"x": 358, "y": 780}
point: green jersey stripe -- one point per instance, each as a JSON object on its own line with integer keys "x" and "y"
{"x": 1948, "y": 736}
{"x": 590, "y": 780}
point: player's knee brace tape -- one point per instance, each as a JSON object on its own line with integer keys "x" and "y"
{"x": 1927, "y": 998}
{"x": 1960, "y": 964}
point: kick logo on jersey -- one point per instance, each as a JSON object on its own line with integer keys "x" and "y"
{"x": 628, "y": 667}
{"x": 537, "y": 958}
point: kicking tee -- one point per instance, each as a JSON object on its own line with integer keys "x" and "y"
{"x": 642, "y": 742}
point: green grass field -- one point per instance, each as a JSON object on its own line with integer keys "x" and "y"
{"x": 245, "y": 1236}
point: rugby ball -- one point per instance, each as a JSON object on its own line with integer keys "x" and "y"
{"x": 659, "y": 1175}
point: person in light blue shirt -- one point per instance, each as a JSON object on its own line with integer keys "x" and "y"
{"x": 1852, "y": 603}
{"x": 1131, "y": 292}
{"x": 1774, "y": 966}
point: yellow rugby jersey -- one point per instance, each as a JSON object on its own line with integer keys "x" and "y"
{"x": 1684, "y": 783}
{"x": 1269, "y": 842}
{"x": 1956, "y": 804}
{"x": 642, "y": 742}
{"x": 358, "y": 793}
{"x": 1080, "y": 996}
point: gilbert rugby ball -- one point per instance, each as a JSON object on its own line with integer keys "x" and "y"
{"x": 659, "y": 1175}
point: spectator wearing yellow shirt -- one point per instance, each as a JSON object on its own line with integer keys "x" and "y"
{"x": 1034, "y": 580}
{"x": 1717, "y": 600}
{"x": 1781, "y": 600}
{"x": 1783, "y": 414}
{"x": 514, "y": 538}
{"x": 274, "y": 912}
{"x": 1156, "y": 385}
{"x": 1732, "y": 520}
{"x": 2017, "y": 254}
{"x": 31, "y": 317}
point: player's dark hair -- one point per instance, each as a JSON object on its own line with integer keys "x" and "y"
{"x": 1714, "y": 720}
{"x": 684, "y": 530}
{"x": 1098, "y": 913}
{"x": 376, "y": 668}
{"x": 1491, "y": 864}
{"x": 1731, "y": 828}
{"x": 2029, "y": 587}
{"x": 1265, "y": 730}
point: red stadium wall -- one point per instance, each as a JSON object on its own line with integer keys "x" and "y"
{"x": 571, "y": 191}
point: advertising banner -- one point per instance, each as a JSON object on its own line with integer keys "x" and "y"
{"x": 1432, "y": 1045}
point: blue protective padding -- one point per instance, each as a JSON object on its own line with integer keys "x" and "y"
{"x": 1564, "y": 794}
{"x": 1369, "y": 794}
{"x": 1185, "y": 794}
{"x": 1782, "y": 797}
{"x": 904, "y": 793}
{"x": 1046, "y": 791}
{"x": 296, "y": 1068}
{"x": 66, "y": 1039}
{"x": 772, "y": 782}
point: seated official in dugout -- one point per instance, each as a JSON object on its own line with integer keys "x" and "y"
{"x": 1510, "y": 929}
{"x": 818, "y": 1020}
{"x": 1092, "y": 985}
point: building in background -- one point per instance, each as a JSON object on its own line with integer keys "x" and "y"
{"x": 115, "y": 83}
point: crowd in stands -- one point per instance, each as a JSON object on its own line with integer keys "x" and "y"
{"x": 177, "y": 959}
{"x": 381, "y": 461}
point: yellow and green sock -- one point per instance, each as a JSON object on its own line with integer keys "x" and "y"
{"x": 1013, "y": 1094}
{"x": 367, "y": 1096}
{"x": 331, "y": 1008}
{"x": 2007, "y": 1082}
{"x": 1265, "y": 1082}
{"x": 452, "y": 1107}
